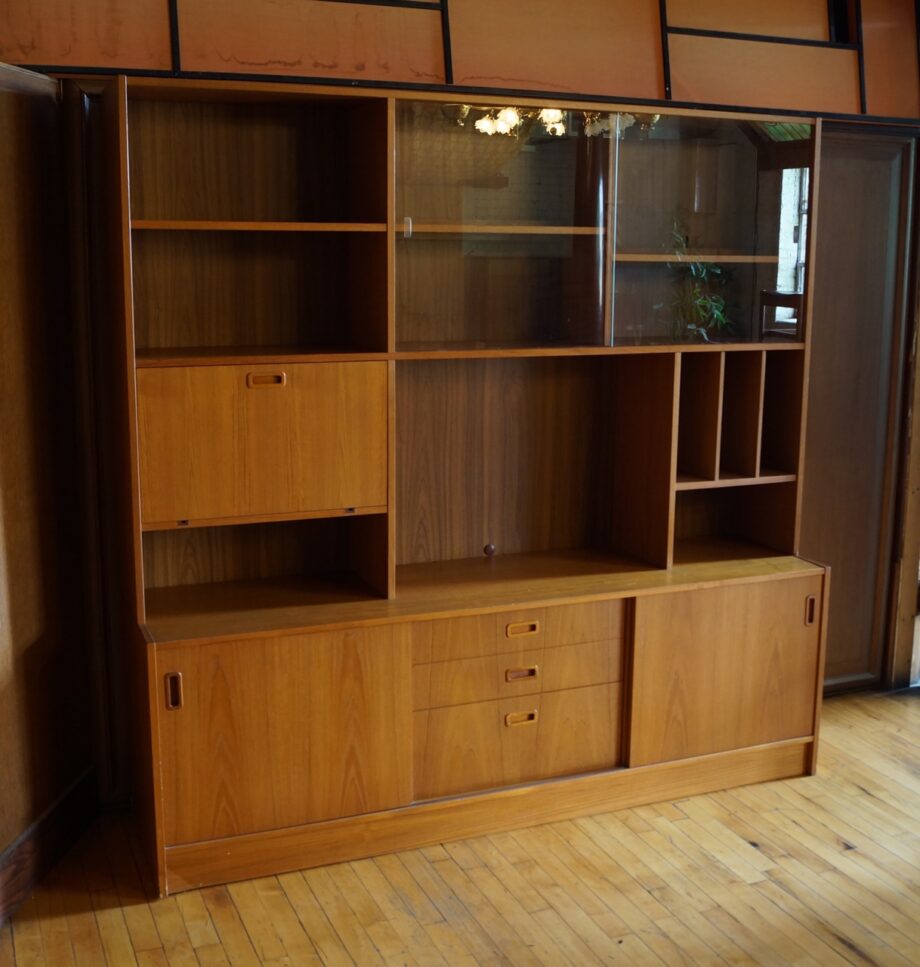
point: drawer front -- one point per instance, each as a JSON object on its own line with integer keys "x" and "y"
{"x": 223, "y": 442}
{"x": 530, "y": 672}
{"x": 486, "y": 745}
{"x": 477, "y": 636}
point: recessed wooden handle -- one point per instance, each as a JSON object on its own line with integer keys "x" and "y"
{"x": 513, "y": 719}
{"x": 519, "y": 674}
{"x": 811, "y": 608}
{"x": 263, "y": 380}
{"x": 522, "y": 629}
{"x": 173, "y": 682}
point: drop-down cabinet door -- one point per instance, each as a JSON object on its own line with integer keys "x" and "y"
{"x": 263, "y": 733}
{"x": 724, "y": 668}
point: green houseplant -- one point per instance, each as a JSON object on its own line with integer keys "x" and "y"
{"x": 698, "y": 310}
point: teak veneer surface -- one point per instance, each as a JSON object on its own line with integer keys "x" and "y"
{"x": 203, "y": 612}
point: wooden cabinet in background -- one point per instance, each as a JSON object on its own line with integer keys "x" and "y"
{"x": 263, "y": 733}
{"x": 724, "y": 668}
{"x": 221, "y": 442}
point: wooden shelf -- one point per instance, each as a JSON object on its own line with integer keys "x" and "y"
{"x": 175, "y": 525}
{"x": 687, "y": 482}
{"x": 246, "y": 355}
{"x": 473, "y": 228}
{"x": 478, "y": 350}
{"x": 727, "y": 257}
{"x": 179, "y": 225}
{"x": 263, "y": 608}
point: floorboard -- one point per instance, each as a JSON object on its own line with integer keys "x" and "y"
{"x": 823, "y": 870}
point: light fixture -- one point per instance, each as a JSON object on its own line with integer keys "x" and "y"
{"x": 511, "y": 120}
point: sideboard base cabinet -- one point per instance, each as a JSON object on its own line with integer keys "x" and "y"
{"x": 290, "y": 751}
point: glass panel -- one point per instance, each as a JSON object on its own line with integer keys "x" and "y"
{"x": 503, "y": 225}
{"x": 711, "y": 225}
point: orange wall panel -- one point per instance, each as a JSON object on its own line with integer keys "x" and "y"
{"x": 87, "y": 33}
{"x": 715, "y": 70}
{"x": 805, "y": 19}
{"x": 890, "y": 50}
{"x": 578, "y": 46}
{"x": 312, "y": 38}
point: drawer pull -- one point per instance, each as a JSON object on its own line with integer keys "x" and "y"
{"x": 520, "y": 718}
{"x": 173, "y": 682}
{"x": 263, "y": 380}
{"x": 811, "y": 607}
{"x": 519, "y": 674}
{"x": 522, "y": 629}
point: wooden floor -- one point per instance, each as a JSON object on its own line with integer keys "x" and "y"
{"x": 823, "y": 870}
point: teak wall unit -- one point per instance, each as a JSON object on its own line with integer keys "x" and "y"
{"x": 442, "y": 514}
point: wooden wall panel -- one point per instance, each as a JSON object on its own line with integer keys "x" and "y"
{"x": 312, "y": 38}
{"x": 44, "y": 698}
{"x": 714, "y": 70}
{"x": 581, "y": 46}
{"x": 90, "y": 33}
{"x": 805, "y": 19}
{"x": 890, "y": 51}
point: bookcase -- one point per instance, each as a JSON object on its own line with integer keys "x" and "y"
{"x": 438, "y": 417}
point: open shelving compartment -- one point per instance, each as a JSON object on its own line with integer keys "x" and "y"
{"x": 259, "y": 225}
{"x": 547, "y": 468}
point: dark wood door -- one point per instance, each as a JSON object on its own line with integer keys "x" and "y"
{"x": 853, "y": 411}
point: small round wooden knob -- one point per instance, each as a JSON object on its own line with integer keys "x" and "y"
{"x": 489, "y": 550}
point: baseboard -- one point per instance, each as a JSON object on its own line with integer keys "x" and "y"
{"x": 26, "y": 860}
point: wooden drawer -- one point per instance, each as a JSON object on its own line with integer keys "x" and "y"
{"x": 476, "y": 636}
{"x": 523, "y": 672}
{"x": 225, "y": 442}
{"x": 485, "y": 745}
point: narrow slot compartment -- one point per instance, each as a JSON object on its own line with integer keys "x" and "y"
{"x": 782, "y": 413}
{"x": 293, "y": 158}
{"x": 742, "y": 402}
{"x": 256, "y": 568}
{"x": 227, "y": 292}
{"x": 699, "y": 421}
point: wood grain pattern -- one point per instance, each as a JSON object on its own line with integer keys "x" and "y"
{"x": 427, "y": 824}
{"x": 890, "y": 51}
{"x": 759, "y": 74}
{"x": 126, "y": 34}
{"x": 742, "y": 405}
{"x": 500, "y": 452}
{"x": 526, "y": 671}
{"x": 784, "y": 383}
{"x": 212, "y": 446}
{"x": 285, "y": 731}
{"x": 805, "y": 19}
{"x": 231, "y": 291}
{"x": 452, "y": 588}
{"x": 643, "y": 414}
{"x": 700, "y": 416}
{"x": 488, "y": 744}
{"x": 848, "y": 527}
{"x": 739, "y": 668}
{"x": 45, "y": 733}
{"x": 307, "y": 158}
{"x": 587, "y": 47}
{"x": 313, "y": 39}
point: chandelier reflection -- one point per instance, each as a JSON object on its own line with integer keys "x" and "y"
{"x": 510, "y": 121}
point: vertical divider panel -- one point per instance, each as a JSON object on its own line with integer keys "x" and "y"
{"x": 115, "y": 109}
{"x": 742, "y": 405}
{"x": 391, "y": 346}
{"x": 644, "y": 418}
{"x": 610, "y": 239}
{"x": 813, "y": 197}
{"x": 702, "y": 379}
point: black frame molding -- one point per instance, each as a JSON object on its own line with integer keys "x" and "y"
{"x": 760, "y": 38}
